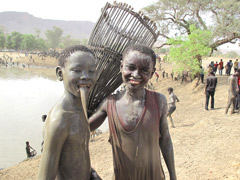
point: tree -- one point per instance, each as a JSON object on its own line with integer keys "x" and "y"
{"x": 68, "y": 41}
{"x": 84, "y": 41}
{"x": 38, "y": 32}
{"x": 2, "y": 40}
{"x": 221, "y": 17}
{"x": 14, "y": 40}
{"x": 186, "y": 51}
{"x": 41, "y": 44}
{"x": 54, "y": 37}
{"x": 28, "y": 42}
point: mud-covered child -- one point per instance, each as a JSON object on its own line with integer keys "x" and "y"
{"x": 137, "y": 121}
{"x": 66, "y": 131}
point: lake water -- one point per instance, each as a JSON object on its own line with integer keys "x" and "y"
{"x": 24, "y": 98}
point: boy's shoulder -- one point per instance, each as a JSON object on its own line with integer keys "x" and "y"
{"x": 59, "y": 117}
{"x": 159, "y": 97}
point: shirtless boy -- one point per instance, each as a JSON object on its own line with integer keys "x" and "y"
{"x": 137, "y": 121}
{"x": 66, "y": 132}
{"x": 171, "y": 104}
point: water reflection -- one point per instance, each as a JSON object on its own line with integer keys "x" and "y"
{"x": 25, "y": 96}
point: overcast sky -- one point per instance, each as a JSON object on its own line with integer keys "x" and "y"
{"x": 79, "y": 10}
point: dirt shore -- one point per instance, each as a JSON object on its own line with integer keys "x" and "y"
{"x": 206, "y": 143}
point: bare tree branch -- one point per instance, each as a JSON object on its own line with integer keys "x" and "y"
{"x": 216, "y": 14}
{"x": 164, "y": 44}
{"x": 229, "y": 38}
{"x": 163, "y": 35}
{"x": 200, "y": 20}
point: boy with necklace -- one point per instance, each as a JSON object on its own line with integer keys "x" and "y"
{"x": 66, "y": 132}
{"x": 137, "y": 121}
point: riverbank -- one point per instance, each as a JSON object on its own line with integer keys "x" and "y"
{"x": 33, "y": 64}
{"x": 26, "y": 60}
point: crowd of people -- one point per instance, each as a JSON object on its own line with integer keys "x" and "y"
{"x": 233, "y": 87}
{"x": 228, "y": 67}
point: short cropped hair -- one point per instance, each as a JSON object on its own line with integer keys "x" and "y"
{"x": 142, "y": 49}
{"x": 70, "y": 50}
{"x": 170, "y": 89}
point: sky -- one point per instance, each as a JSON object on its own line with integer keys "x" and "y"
{"x": 77, "y": 10}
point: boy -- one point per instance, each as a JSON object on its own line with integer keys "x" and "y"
{"x": 29, "y": 152}
{"x": 172, "y": 104}
{"x": 66, "y": 131}
{"x": 137, "y": 121}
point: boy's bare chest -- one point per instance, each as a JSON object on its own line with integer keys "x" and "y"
{"x": 79, "y": 132}
{"x": 130, "y": 113}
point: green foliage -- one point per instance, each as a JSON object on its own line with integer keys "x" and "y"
{"x": 84, "y": 41}
{"x": 28, "y": 42}
{"x": 161, "y": 50}
{"x": 54, "y": 37}
{"x": 41, "y": 44}
{"x": 14, "y": 40}
{"x": 164, "y": 50}
{"x": 2, "y": 40}
{"x": 38, "y": 32}
{"x": 68, "y": 41}
{"x": 186, "y": 52}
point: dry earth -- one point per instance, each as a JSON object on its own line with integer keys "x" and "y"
{"x": 206, "y": 143}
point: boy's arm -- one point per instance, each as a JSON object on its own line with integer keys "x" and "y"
{"x": 99, "y": 116}
{"x": 165, "y": 141}
{"x": 206, "y": 85}
{"x": 56, "y": 133}
{"x": 177, "y": 98}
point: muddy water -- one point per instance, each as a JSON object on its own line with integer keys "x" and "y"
{"x": 24, "y": 97}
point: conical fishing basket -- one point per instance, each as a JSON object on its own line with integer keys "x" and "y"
{"x": 118, "y": 27}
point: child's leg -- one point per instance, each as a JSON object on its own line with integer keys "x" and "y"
{"x": 170, "y": 117}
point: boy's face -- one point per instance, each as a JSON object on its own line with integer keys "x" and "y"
{"x": 79, "y": 72}
{"x": 137, "y": 68}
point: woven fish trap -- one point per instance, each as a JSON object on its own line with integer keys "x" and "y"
{"x": 118, "y": 27}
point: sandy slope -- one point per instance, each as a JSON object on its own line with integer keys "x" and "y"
{"x": 206, "y": 143}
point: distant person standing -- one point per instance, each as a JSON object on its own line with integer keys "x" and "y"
{"x": 229, "y": 67}
{"x": 210, "y": 89}
{"x": 171, "y": 104}
{"x": 215, "y": 67}
{"x": 232, "y": 91}
{"x": 235, "y": 65}
{"x": 220, "y": 67}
